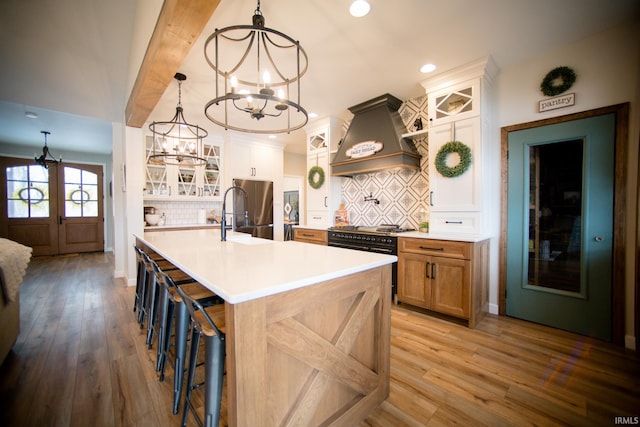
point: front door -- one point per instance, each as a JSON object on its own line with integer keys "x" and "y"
{"x": 54, "y": 211}
{"x": 560, "y": 225}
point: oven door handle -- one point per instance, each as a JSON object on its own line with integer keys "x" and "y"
{"x": 346, "y": 246}
{"x": 382, "y": 250}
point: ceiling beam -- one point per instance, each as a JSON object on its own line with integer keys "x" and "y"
{"x": 179, "y": 25}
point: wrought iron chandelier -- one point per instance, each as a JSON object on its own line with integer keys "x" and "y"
{"x": 177, "y": 142}
{"x": 257, "y": 83}
{"x": 46, "y": 158}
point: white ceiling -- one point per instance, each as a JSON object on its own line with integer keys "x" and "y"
{"x": 73, "y": 61}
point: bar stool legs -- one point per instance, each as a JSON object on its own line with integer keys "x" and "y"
{"x": 170, "y": 302}
{"x": 208, "y": 324}
{"x": 140, "y": 278}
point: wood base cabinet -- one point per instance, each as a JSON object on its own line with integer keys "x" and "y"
{"x": 310, "y": 235}
{"x": 448, "y": 277}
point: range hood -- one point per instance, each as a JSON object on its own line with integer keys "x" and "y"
{"x": 374, "y": 140}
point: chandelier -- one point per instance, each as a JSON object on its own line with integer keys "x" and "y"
{"x": 177, "y": 142}
{"x": 257, "y": 81}
{"x": 46, "y": 158}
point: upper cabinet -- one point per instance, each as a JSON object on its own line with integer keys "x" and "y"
{"x": 318, "y": 141}
{"x": 454, "y": 103}
{"x": 184, "y": 181}
{"x": 325, "y": 195}
{"x": 457, "y": 107}
{"x": 257, "y": 160}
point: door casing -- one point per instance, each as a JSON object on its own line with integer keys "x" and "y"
{"x": 619, "y": 202}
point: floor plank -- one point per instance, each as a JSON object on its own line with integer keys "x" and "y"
{"x": 81, "y": 360}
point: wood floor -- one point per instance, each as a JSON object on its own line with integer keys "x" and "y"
{"x": 80, "y": 360}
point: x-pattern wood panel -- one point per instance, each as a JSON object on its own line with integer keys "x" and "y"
{"x": 330, "y": 360}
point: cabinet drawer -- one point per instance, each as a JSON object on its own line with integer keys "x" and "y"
{"x": 458, "y": 222}
{"x": 310, "y": 236}
{"x": 444, "y": 248}
{"x": 318, "y": 218}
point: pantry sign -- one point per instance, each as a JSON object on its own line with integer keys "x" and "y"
{"x": 557, "y": 102}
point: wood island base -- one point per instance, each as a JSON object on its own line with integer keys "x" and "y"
{"x": 317, "y": 355}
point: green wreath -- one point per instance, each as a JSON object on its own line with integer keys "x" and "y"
{"x": 316, "y": 177}
{"x": 453, "y": 147}
{"x": 548, "y": 86}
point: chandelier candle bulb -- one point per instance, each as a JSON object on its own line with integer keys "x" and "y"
{"x": 234, "y": 84}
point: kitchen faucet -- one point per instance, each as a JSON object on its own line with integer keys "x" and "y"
{"x": 223, "y": 222}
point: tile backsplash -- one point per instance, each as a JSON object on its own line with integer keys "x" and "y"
{"x": 398, "y": 195}
{"x": 183, "y": 213}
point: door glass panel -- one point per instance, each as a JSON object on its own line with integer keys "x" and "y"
{"x": 81, "y": 193}
{"x": 555, "y": 216}
{"x": 27, "y": 192}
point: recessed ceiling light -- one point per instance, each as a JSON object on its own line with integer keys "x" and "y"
{"x": 31, "y": 114}
{"x": 427, "y": 68}
{"x": 313, "y": 115}
{"x": 272, "y": 137}
{"x": 359, "y": 8}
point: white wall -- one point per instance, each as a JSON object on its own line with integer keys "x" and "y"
{"x": 607, "y": 66}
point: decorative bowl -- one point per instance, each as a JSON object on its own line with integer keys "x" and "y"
{"x": 152, "y": 219}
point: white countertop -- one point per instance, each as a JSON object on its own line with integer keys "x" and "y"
{"x": 473, "y": 238}
{"x": 245, "y": 268}
{"x": 457, "y": 237}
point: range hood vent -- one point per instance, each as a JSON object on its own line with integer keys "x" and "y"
{"x": 374, "y": 140}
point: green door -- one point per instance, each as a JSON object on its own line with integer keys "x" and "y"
{"x": 560, "y": 225}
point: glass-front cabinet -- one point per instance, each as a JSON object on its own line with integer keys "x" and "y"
{"x": 183, "y": 181}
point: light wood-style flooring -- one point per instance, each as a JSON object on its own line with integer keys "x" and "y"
{"x": 80, "y": 360}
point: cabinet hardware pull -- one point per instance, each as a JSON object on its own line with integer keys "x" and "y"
{"x": 169, "y": 190}
{"x": 325, "y": 202}
{"x": 307, "y": 235}
{"x": 433, "y": 271}
{"x": 427, "y": 270}
{"x": 453, "y": 222}
{"x": 431, "y": 198}
{"x": 427, "y": 248}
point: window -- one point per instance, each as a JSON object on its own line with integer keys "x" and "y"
{"x": 81, "y": 193}
{"x": 27, "y": 192}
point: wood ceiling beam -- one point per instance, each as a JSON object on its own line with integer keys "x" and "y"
{"x": 179, "y": 25}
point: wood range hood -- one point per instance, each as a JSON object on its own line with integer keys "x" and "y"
{"x": 374, "y": 140}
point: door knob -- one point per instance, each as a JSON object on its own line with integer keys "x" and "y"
{"x": 598, "y": 238}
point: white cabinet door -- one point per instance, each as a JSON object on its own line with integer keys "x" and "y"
{"x": 460, "y": 193}
{"x": 318, "y": 199}
{"x": 256, "y": 161}
{"x": 454, "y": 103}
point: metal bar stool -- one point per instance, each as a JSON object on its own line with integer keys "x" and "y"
{"x": 172, "y": 306}
{"x": 142, "y": 281}
{"x": 152, "y": 292}
{"x": 207, "y": 322}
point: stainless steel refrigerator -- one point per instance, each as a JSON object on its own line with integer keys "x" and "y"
{"x": 258, "y": 204}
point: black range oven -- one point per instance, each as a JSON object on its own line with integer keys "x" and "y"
{"x": 381, "y": 239}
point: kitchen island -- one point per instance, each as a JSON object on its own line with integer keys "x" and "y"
{"x": 307, "y": 325}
